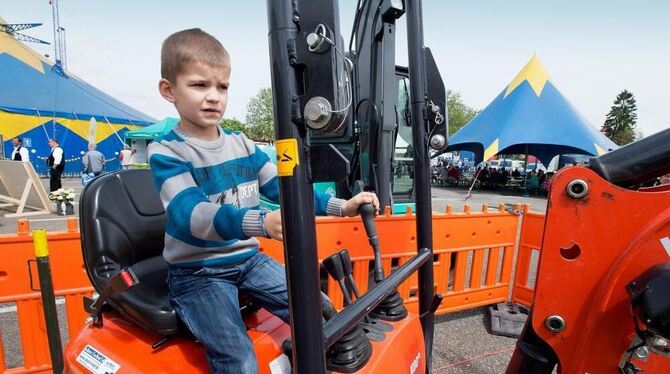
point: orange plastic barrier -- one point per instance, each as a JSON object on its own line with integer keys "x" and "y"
{"x": 477, "y": 246}
{"x": 473, "y": 251}
{"x": 530, "y": 244}
{"x": 19, "y": 285}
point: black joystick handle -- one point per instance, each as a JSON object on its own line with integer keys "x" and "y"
{"x": 333, "y": 265}
{"x": 348, "y": 271}
{"x": 367, "y": 212}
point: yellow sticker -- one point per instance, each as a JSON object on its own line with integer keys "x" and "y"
{"x": 287, "y": 156}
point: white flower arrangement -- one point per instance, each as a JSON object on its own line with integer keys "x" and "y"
{"x": 62, "y": 195}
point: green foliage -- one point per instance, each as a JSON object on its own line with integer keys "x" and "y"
{"x": 260, "y": 119}
{"x": 233, "y": 124}
{"x": 620, "y": 122}
{"x": 459, "y": 113}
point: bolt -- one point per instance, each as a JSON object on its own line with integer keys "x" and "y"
{"x": 642, "y": 353}
{"x": 554, "y": 323}
{"x": 577, "y": 189}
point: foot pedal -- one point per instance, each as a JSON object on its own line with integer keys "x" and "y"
{"x": 507, "y": 319}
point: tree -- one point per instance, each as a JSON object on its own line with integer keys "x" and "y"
{"x": 459, "y": 113}
{"x": 260, "y": 119}
{"x": 233, "y": 124}
{"x": 620, "y": 122}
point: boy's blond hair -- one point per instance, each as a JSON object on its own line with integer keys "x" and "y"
{"x": 191, "y": 45}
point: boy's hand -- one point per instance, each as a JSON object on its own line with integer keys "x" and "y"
{"x": 273, "y": 224}
{"x": 350, "y": 207}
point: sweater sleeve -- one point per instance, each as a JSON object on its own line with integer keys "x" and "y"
{"x": 190, "y": 211}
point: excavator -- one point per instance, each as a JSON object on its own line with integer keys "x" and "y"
{"x": 602, "y": 300}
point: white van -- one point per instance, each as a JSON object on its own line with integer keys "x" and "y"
{"x": 507, "y": 164}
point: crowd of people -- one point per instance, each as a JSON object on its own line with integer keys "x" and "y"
{"x": 532, "y": 183}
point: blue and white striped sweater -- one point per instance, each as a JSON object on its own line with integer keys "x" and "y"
{"x": 210, "y": 190}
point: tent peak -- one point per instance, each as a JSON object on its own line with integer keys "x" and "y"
{"x": 534, "y": 72}
{"x": 20, "y": 52}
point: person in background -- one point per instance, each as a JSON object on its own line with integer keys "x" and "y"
{"x": 541, "y": 177}
{"x": 531, "y": 184}
{"x": 93, "y": 162}
{"x": 19, "y": 153}
{"x": 56, "y": 164}
{"x": 546, "y": 185}
{"x": 126, "y": 156}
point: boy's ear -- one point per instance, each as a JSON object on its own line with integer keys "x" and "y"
{"x": 165, "y": 89}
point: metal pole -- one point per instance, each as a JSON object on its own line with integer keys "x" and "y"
{"x": 424, "y": 229}
{"x": 296, "y": 197}
{"x": 48, "y": 299}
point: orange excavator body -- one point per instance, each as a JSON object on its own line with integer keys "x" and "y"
{"x": 592, "y": 248}
{"x": 130, "y": 347}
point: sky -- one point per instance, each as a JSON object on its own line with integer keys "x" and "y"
{"x": 591, "y": 49}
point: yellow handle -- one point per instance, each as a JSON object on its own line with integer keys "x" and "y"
{"x": 40, "y": 243}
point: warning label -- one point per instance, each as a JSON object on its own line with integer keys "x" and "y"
{"x": 287, "y": 156}
{"x": 96, "y": 362}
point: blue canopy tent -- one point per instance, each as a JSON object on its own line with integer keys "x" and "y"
{"x": 37, "y": 102}
{"x": 530, "y": 116}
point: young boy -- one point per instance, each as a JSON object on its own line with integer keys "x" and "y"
{"x": 209, "y": 181}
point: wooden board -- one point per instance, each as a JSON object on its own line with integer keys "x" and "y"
{"x": 21, "y": 190}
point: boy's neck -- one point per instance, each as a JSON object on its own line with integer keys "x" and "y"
{"x": 198, "y": 132}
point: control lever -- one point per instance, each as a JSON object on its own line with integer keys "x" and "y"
{"x": 333, "y": 265}
{"x": 392, "y": 308}
{"x": 348, "y": 271}
{"x": 367, "y": 212}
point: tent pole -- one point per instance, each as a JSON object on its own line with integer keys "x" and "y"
{"x": 525, "y": 167}
{"x": 112, "y": 127}
{"x": 43, "y": 127}
{"x": 525, "y": 162}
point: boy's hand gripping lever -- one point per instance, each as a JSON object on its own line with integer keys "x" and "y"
{"x": 392, "y": 308}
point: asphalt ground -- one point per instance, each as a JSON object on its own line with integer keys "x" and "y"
{"x": 462, "y": 343}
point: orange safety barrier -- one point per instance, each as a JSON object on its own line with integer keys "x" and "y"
{"x": 477, "y": 246}
{"x": 473, "y": 251}
{"x": 19, "y": 285}
{"x": 530, "y": 244}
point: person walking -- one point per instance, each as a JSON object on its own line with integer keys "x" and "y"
{"x": 56, "y": 164}
{"x": 19, "y": 153}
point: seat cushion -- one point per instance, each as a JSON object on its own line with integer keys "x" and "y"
{"x": 147, "y": 304}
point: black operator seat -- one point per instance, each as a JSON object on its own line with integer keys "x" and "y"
{"x": 122, "y": 224}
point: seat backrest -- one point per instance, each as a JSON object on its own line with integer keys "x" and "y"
{"x": 122, "y": 223}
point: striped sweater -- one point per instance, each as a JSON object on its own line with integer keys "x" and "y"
{"x": 210, "y": 190}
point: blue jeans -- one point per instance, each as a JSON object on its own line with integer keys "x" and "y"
{"x": 206, "y": 300}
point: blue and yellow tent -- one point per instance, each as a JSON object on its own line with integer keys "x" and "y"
{"x": 530, "y": 116}
{"x": 38, "y": 103}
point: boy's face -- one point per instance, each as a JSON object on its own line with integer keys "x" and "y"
{"x": 200, "y": 94}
